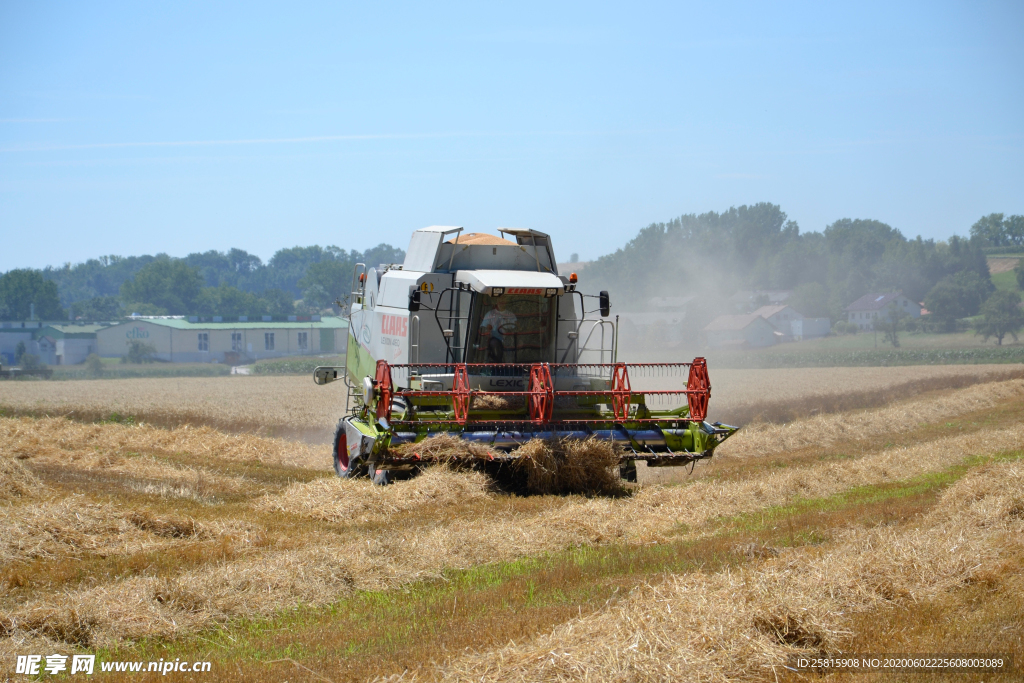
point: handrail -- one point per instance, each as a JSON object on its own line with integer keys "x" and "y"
{"x": 414, "y": 334}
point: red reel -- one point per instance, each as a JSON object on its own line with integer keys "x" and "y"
{"x": 385, "y": 389}
{"x": 620, "y": 391}
{"x": 461, "y": 393}
{"x": 542, "y": 393}
{"x": 698, "y": 387}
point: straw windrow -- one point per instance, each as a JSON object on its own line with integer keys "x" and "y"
{"x": 322, "y": 568}
{"x": 587, "y": 466}
{"x": 766, "y": 439}
{"x": 280, "y": 541}
{"x": 354, "y": 501}
{"x": 16, "y": 480}
{"x": 741, "y": 624}
{"x": 60, "y": 439}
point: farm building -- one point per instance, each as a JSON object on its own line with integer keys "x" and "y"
{"x": 11, "y": 333}
{"x": 195, "y": 340}
{"x": 740, "y": 330}
{"x": 781, "y": 317}
{"x": 811, "y": 328}
{"x": 55, "y": 343}
{"x": 784, "y": 322}
{"x": 865, "y": 311}
{"x": 67, "y": 344}
{"x": 792, "y": 325}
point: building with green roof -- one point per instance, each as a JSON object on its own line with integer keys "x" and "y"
{"x": 55, "y": 342}
{"x": 226, "y": 340}
{"x": 67, "y": 344}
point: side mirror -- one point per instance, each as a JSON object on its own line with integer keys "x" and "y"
{"x": 414, "y": 301}
{"x": 606, "y": 304}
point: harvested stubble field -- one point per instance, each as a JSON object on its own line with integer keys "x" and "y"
{"x": 891, "y": 528}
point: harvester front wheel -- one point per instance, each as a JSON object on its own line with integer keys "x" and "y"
{"x": 345, "y": 466}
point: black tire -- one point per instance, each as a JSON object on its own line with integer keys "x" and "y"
{"x": 344, "y": 466}
{"x": 383, "y": 477}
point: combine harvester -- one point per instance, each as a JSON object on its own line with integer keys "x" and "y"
{"x": 480, "y": 338}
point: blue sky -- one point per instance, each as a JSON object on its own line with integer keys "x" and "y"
{"x": 143, "y": 127}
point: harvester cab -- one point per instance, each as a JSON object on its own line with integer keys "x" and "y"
{"x": 479, "y": 337}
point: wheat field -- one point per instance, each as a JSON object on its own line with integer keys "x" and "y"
{"x": 293, "y": 406}
{"x": 130, "y": 537}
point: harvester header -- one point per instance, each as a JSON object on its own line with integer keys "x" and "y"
{"x": 479, "y": 337}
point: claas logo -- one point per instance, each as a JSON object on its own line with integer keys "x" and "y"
{"x": 394, "y": 325}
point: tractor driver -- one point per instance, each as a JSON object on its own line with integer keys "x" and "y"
{"x": 496, "y": 323}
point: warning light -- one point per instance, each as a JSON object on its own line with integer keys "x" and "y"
{"x": 573, "y": 278}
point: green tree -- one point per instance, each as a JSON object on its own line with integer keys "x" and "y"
{"x": 97, "y": 308}
{"x": 957, "y": 296}
{"x": 947, "y": 303}
{"x": 277, "y": 302}
{"x": 890, "y": 324}
{"x": 30, "y": 364}
{"x": 232, "y": 301}
{"x": 1014, "y": 229}
{"x": 23, "y": 290}
{"x": 976, "y": 289}
{"x": 236, "y": 268}
{"x": 139, "y": 352}
{"x": 327, "y": 282}
{"x": 990, "y": 229}
{"x": 287, "y": 267}
{"x": 999, "y": 231}
{"x": 19, "y": 352}
{"x": 316, "y": 298}
{"x": 225, "y": 300}
{"x": 167, "y": 283}
{"x": 101, "y": 276}
{"x": 1001, "y": 315}
{"x": 94, "y": 365}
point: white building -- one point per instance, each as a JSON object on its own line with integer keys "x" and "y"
{"x": 867, "y": 310}
{"x": 811, "y": 328}
{"x": 781, "y": 317}
{"x": 750, "y": 330}
{"x": 201, "y": 340}
{"x": 67, "y": 344}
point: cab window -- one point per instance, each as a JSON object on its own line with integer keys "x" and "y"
{"x": 512, "y": 329}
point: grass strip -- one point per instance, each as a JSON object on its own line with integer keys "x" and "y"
{"x": 859, "y": 495}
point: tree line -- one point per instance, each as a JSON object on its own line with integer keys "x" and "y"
{"x": 235, "y": 282}
{"x": 714, "y": 255}
{"x": 999, "y": 230}
{"x": 711, "y": 255}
